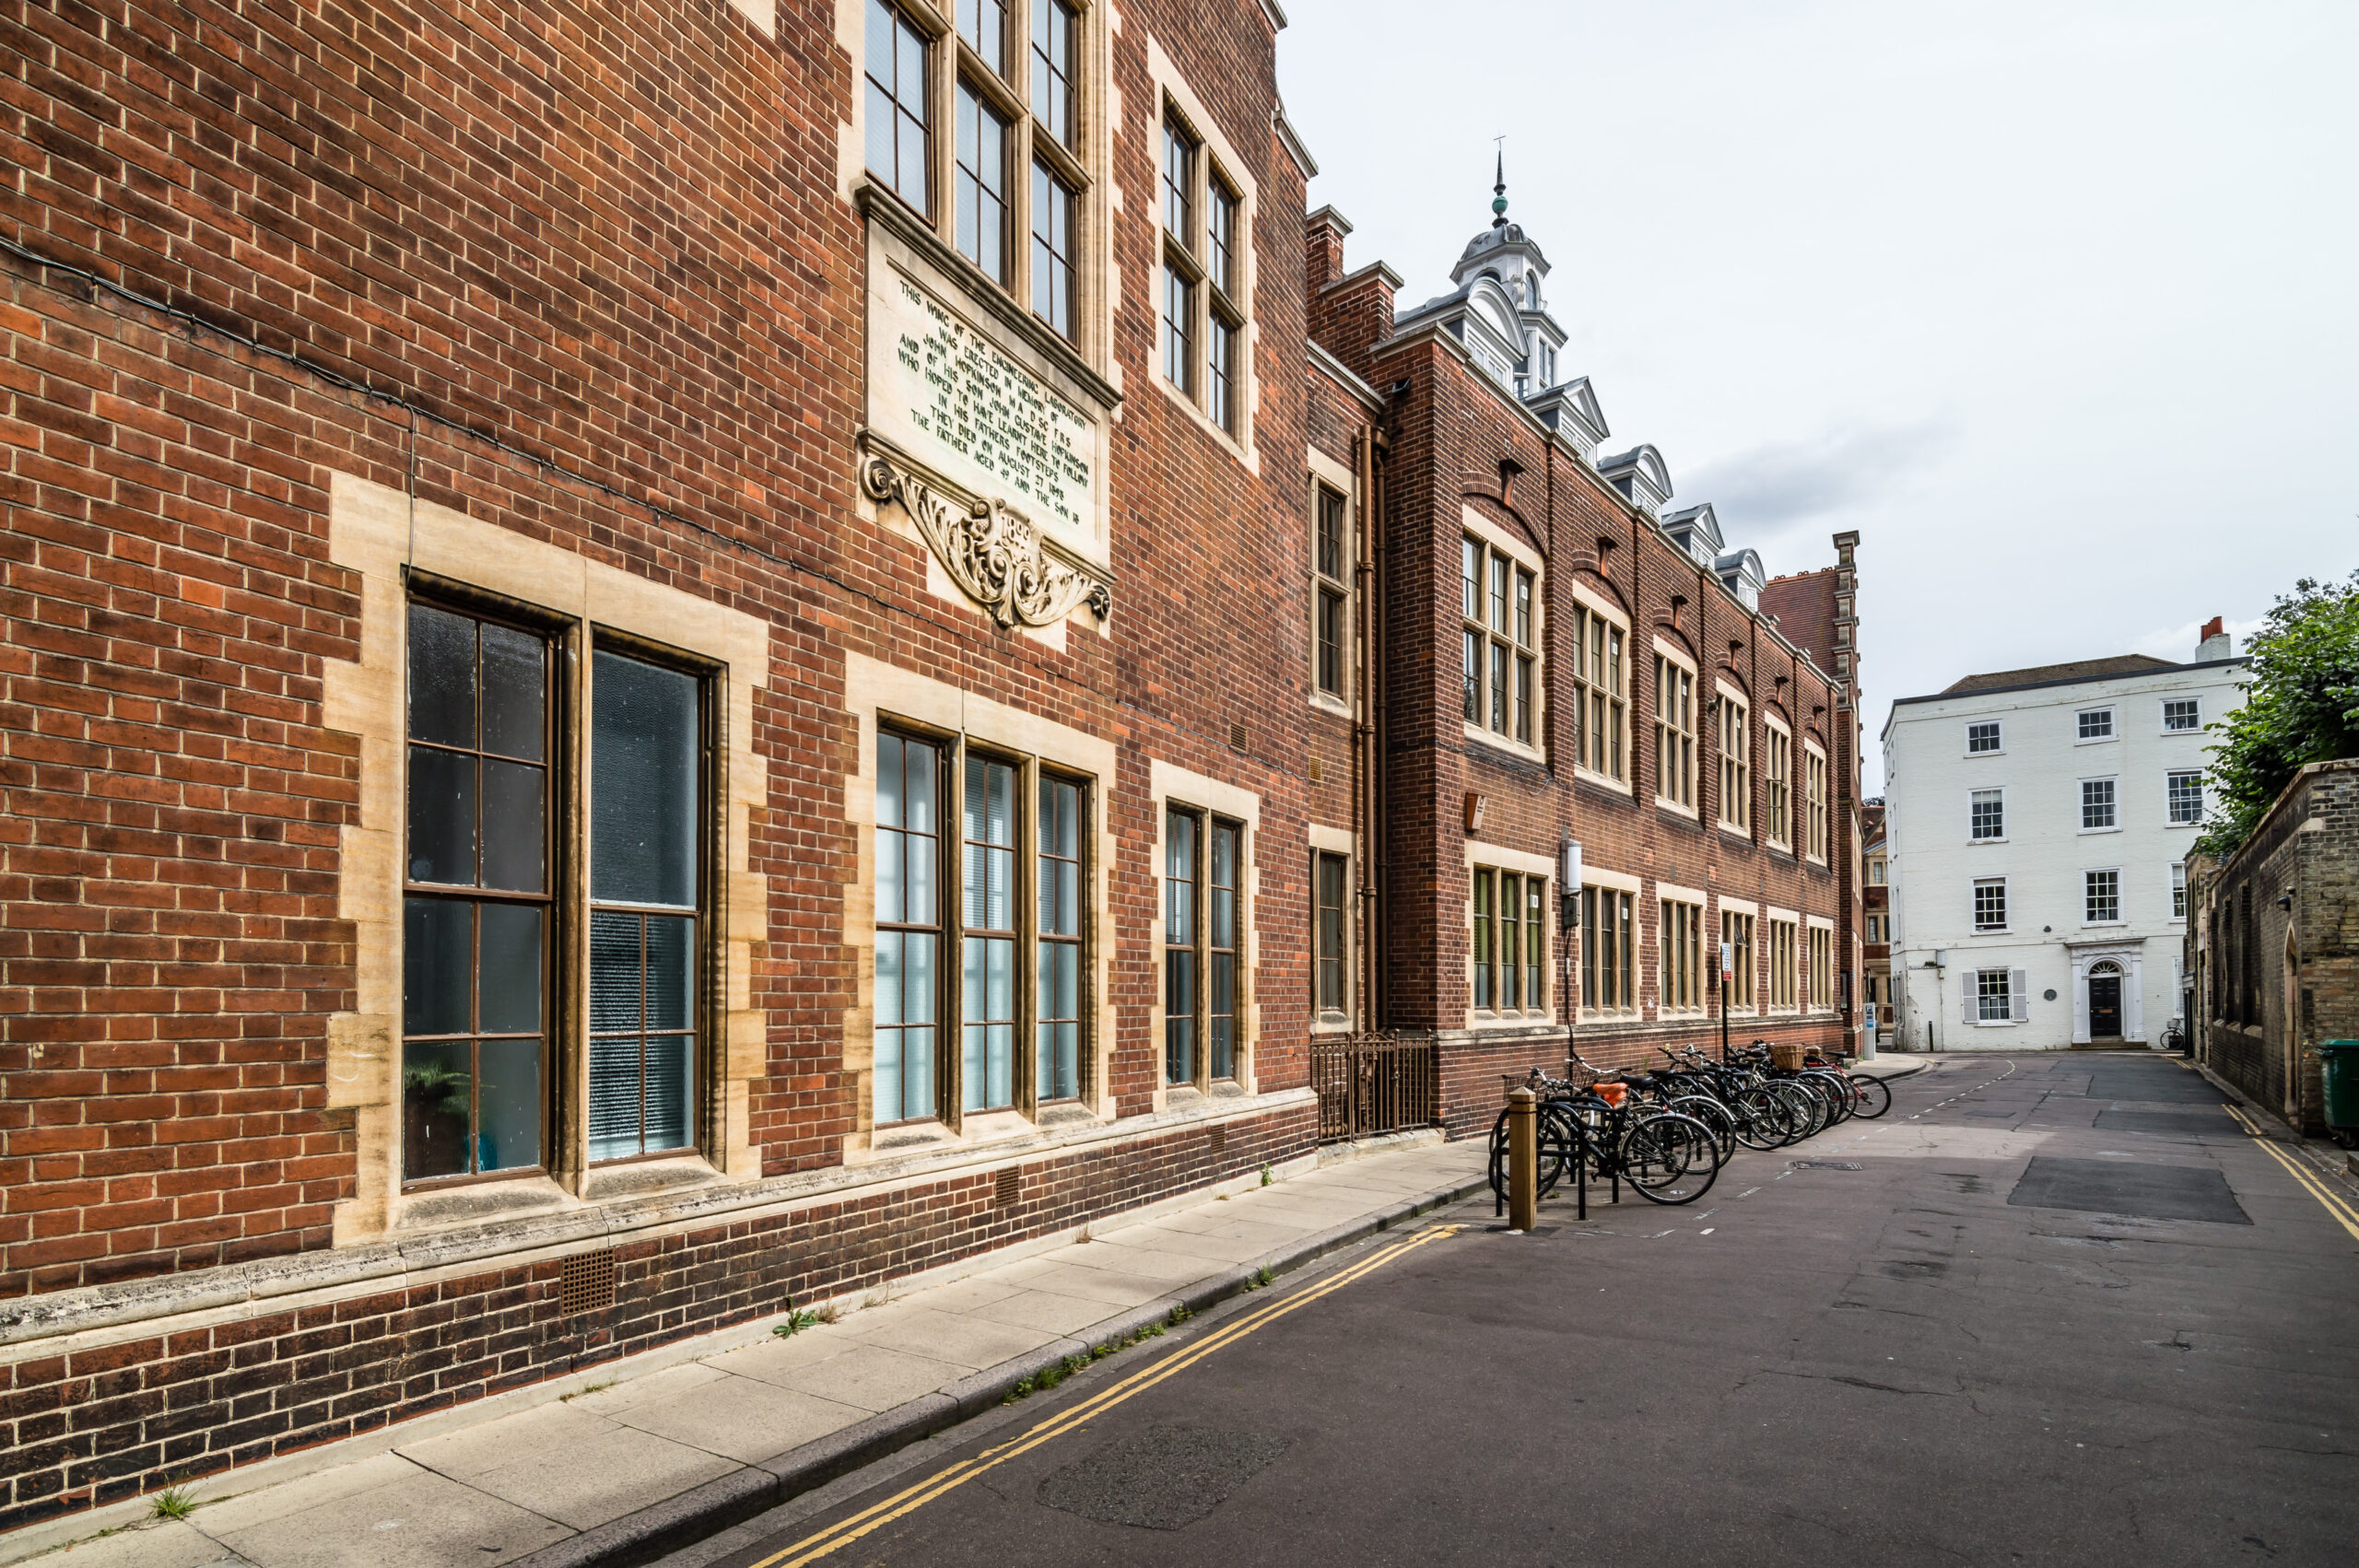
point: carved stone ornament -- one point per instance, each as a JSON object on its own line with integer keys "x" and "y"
{"x": 994, "y": 555}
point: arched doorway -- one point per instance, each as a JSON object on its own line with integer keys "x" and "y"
{"x": 2105, "y": 1000}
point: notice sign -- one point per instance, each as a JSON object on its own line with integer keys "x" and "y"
{"x": 952, "y": 399}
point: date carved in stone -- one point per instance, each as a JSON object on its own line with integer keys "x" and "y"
{"x": 994, "y": 555}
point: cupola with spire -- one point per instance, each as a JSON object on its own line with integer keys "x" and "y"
{"x": 1498, "y": 310}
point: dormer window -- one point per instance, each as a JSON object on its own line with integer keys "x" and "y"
{"x": 1547, "y": 361}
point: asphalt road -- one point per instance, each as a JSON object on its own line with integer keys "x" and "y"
{"x": 2064, "y": 1312}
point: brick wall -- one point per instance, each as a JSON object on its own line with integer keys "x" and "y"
{"x": 107, "y": 1421}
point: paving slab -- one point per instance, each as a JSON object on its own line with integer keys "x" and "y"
{"x": 599, "y": 1476}
{"x": 420, "y": 1521}
{"x": 743, "y": 1418}
{"x": 870, "y": 1377}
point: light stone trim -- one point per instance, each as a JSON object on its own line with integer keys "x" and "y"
{"x": 378, "y": 532}
{"x": 1168, "y": 784}
{"x": 993, "y": 552}
{"x": 874, "y": 690}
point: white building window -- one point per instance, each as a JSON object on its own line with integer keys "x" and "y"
{"x": 1994, "y": 1002}
{"x": 2095, "y": 723}
{"x": 1990, "y": 904}
{"x": 2186, "y": 795}
{"x": 1497, "y": 598}
{"x": 2181, "y": 714}
{"x": 2178, "y": 890}
{"x": 1988, "y": 814}
{"x": 1984, "y": 736}
{"x": 2101, "y": 897}
{"x": 2097, "y": 805}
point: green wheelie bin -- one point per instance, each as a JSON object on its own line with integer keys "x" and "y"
{"x": 2338, "y": 1076}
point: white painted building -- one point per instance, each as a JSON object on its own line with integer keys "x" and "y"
{"x": 2039, "y": 825}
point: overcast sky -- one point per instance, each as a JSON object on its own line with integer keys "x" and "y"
{"x": 2054, "y": 303}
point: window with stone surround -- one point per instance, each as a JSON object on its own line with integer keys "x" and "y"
{"x": 1822, "y": 970}
{"x": 1609, "y": 951}
{"x": 1499, "y": 651}
{"x": 1205, "y": 310}
{"x": 1674, "y": 732}
{"x": 1782, "y": 956}
{"x": 1010, "y": 139}
{"x": 1814, "y": 786}
{"x": 1330, "y": 591}
{"x": 1736, "y": 936}
{"x": 1201, "y": 855}
{"x": 1680, "y": 987}
{"x": 1778, "y": 781}
{"x": 1013, "y": 918}
{"x": 1330, "y": 877}
{"x": 1736, "y": 765}
{"x": 1600, "y": 696}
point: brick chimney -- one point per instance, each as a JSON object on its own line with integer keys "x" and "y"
{"x": 2216, "y": 642}
{"x": 1323, "y": 247}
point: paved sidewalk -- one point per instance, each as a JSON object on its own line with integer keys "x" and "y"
{"x": 600, "y": 1470}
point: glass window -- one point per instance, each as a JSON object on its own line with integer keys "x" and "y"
{"x": 2182, "y": 713}
{"x": 1983, "y": 736}
{"x": 897, "y": 117}
{"x": 2185, "y": 796}
{"x": 1994, "y": 1001}
{"x": 1497, "y": 599}
{"x": 645, "y": 746}
{"x": 475, "y": 914}
{"x": 1990, "y": 904}
{"x": 2178, "y": 890}
{"x": 984, "y": 23}
{"x": 1179, "y": 330}
{"x": 2095, "y": 723}
{"x": 1609, "y": 981}
{"x": 986, "y": 972}
{"x": 1680, "y": 987}
{"x": 1179, "y": 185}
{"x": 1821, "y": 968}
{"x": 1736, "y": 935}
{"x": 1328, "y": 879}
{"x": 1782, "y": 963}
{"x": 909, "y": 925}
{"x": 1815, "y": 766}
{"x": 1220, "y": 1001}
{"x": 2101, "y": 894}
{"x": 1220, "y": 237}
{"x": 1778, "y": 783}
{"x": 1057, "y": 1009}
{"x": 982, "y": 185}
{"x": 1986, "y": 813}
{"x": 1222, "y": 357}
{"x": 1179, "y": 955}
{"x": 1510, "y": 941}
{"x": 1053, "y": 278}
{"x": 1674, "y": 733}
{"x": 1053, "y": 30}
{"x": 2097, "y": 803}
{"x": 1535, "y": 942}
{"x": 1485, "y": 960}
{"x": 1736, "y": 773}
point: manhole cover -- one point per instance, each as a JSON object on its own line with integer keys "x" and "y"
{"x": 1161, "y": 1480}
{"x": 2146, "y": 1192}
{"x": 1822, "y": 1165}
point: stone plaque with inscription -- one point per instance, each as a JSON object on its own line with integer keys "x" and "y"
{"x": 951, "y": 397}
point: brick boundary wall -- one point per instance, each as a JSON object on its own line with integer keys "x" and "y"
{"x": 100, "y": 1424}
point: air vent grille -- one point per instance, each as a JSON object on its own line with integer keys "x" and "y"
{"x": 587, "y": 1282}
{"x": 1009, "y": 1186}
{"x": 1236, "y": 737}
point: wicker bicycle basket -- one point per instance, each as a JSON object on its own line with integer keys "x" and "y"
{"x": 1786, "y": 1057}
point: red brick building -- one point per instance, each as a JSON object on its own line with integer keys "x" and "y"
{"x": 538, "y": 546}
{"x": 1597, "y": 746}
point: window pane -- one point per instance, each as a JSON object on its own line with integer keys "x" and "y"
{"x": 614, "y": 1098}
{"x": 1179, "y": 185}
{"x": 1224, "y": 374}
{"x": 671, "y": 971}
{"x": 514, "y": 810}
{"x": 441, "y": 817}
{"x": 897, "y": 112}
{"x": 615, "y": 980}
{"x": 982, "y": 185}
{"x": 515, "y": 696}
{"x": 1052, "y": 36}
{"x": 441, "y": 677}
{"x": 1499, "y": 687}
{"x": 1471, "y": 660}
{"x": 671, "y": 1091}
{"x": 984, "y": 23}
{"x": 1470, "y": 578}
{"x": 508, "y": 1105}
{"x": 1178, "y": 331}
{"x": 1221, "y": 238}
{"x": 643, "y": 773}
{"x": 1179, "y": 872}
{"x": 438, "y": 1094}
{"x": 1523, "y": 608}
{"x": 1052, "y": 249}
{"x": 438, "y": 941}
{"x": 512, "y": 968}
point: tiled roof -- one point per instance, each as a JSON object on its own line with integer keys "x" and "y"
{"x": 2079, "y": 669}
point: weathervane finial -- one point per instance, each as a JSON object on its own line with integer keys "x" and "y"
{"x": 1499, "y": 190}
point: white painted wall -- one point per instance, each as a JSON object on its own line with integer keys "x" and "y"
{"x": 2049, "y": 946}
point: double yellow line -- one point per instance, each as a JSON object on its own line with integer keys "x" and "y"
{"x": 846, "y": 1531}
{"x": 2344, "y": 1216}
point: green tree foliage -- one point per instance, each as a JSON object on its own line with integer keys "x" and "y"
{"x": 2301, "y": 706}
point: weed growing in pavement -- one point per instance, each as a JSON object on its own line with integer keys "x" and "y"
{"x": 1180, "y": 1314}
{"x": 585, "y": 1388}
{"x": 173, "y": 1502}
{"x": 1265, "y": 1176}
{"x": 1265, "y": 1276}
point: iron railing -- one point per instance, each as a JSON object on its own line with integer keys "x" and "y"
{"x": 1370, "y": 1084}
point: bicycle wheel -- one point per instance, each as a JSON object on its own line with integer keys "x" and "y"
{"x": 1556, "y": 1146}
{"x": 1838, "y": 1095}
{"x": 1809, "y": 1110}
{"x": 1670, "y": 1159}
{"x": 1871, "y": 1096}
{"x": 1715, "y": 1117}
{"x": 1761, "y": 1120}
